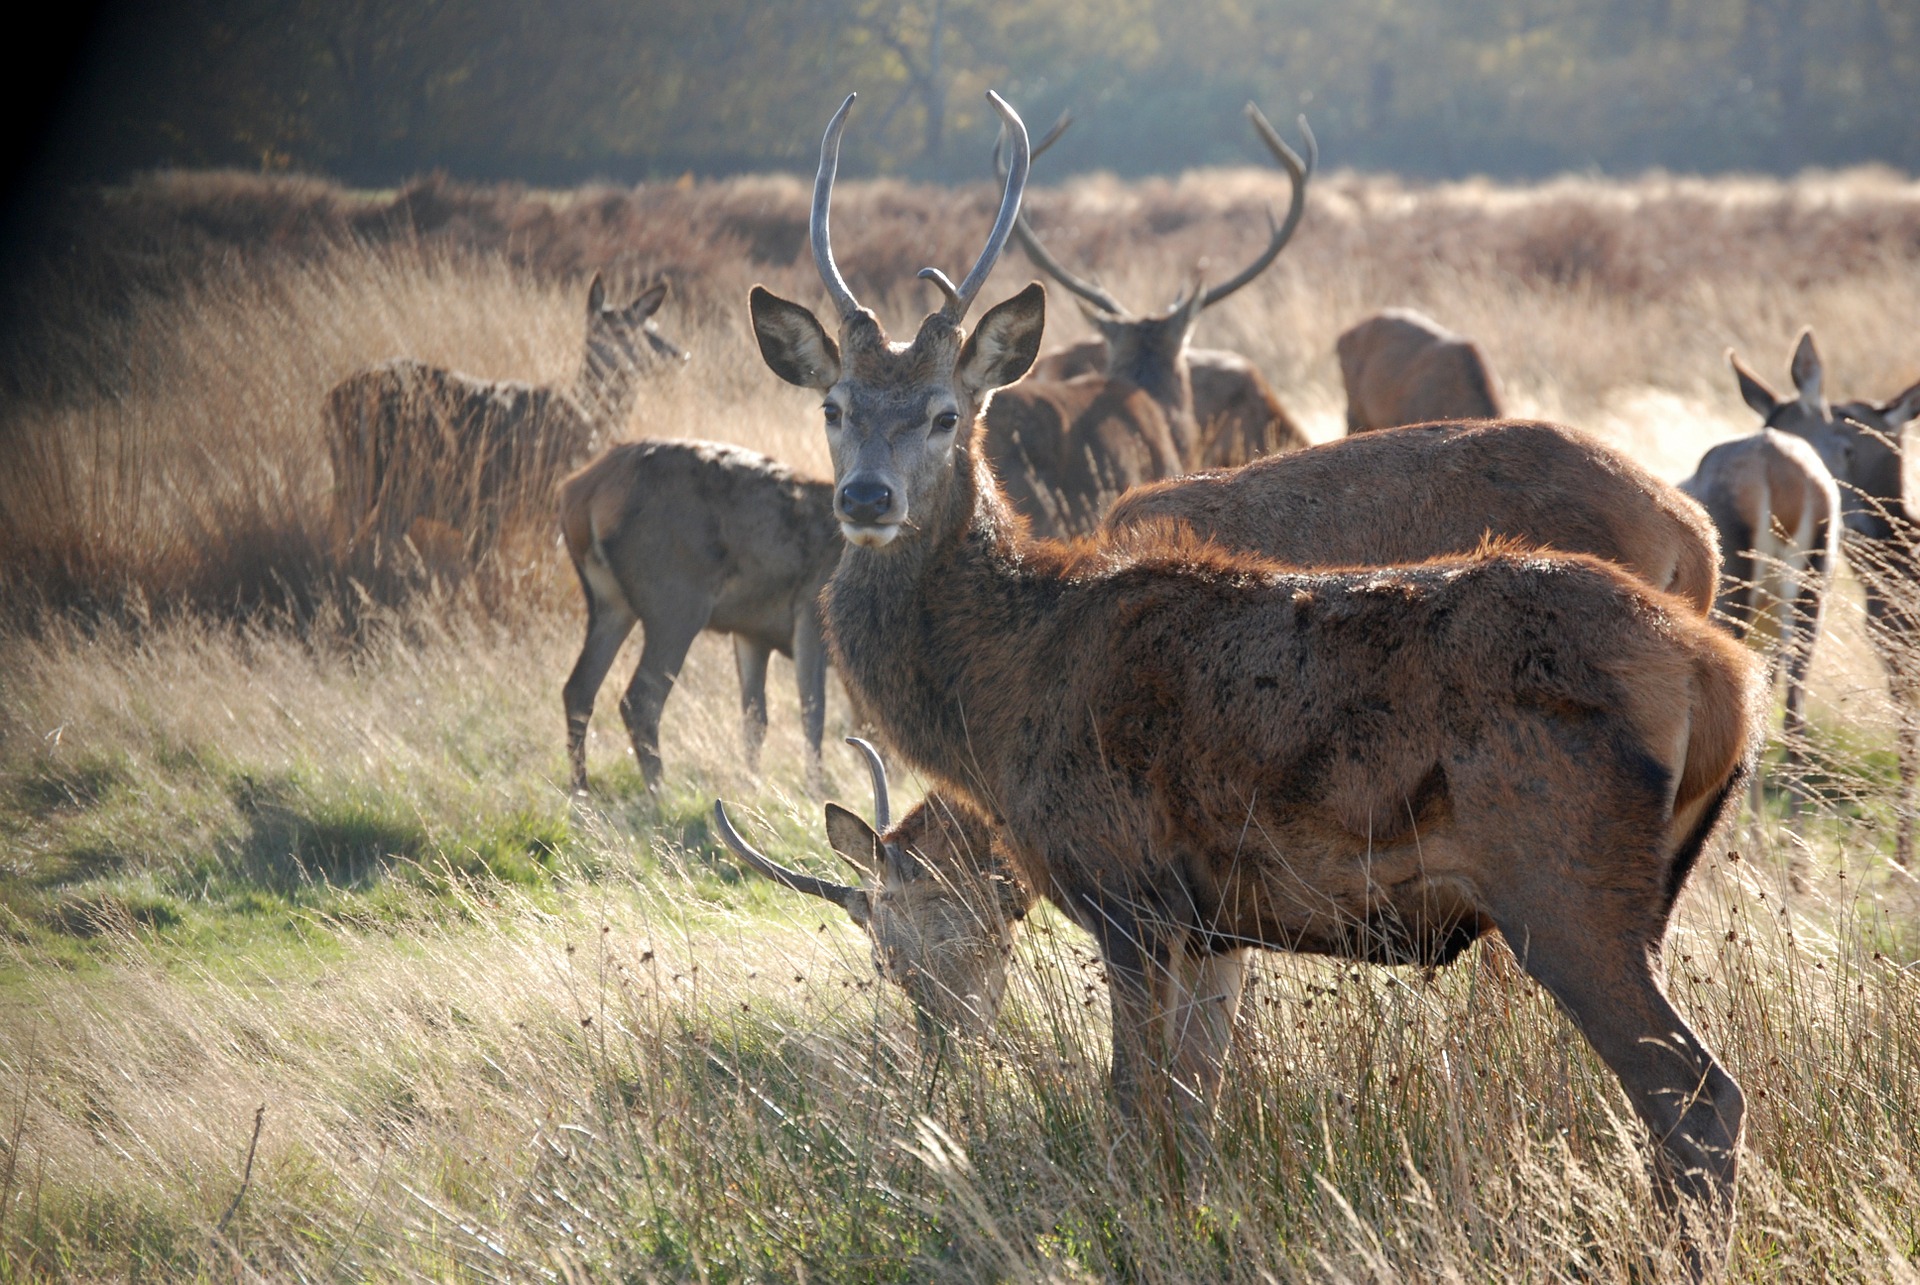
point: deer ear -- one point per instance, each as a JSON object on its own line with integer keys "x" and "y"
{"x": 1806, "y": 369}
{"x": 1901, "y": 408}
{"x": 648, "y": 303}
{"x": 793, "y": 342}
{"x": 1752, "y": 391}
{"x": 855, "y": 841}
{"x": 596, "y": 294}
{"x": 1002, "y": 347}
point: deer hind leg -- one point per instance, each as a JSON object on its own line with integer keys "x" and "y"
{"x": 609, "y": 621}
{"x": 670, "y": 631}
{"x": 750, "y": 663}
{"x": 1610, "y": 985}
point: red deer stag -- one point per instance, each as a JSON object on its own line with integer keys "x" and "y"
{"x": 1861, "y": 445}
{"x": 1240, "y": 418}
{"x": 940, "y": 900}
{"x": 1406, "y": 495}
{"x": 1531, "y": 742}
{"x": 681, "y": 537}
{"x": 1403, "y": 367}
{"x": 1777, "y": 510}
{"x": 435, "y": 456}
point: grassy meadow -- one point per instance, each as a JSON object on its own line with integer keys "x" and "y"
{"x": 312, "y": 969}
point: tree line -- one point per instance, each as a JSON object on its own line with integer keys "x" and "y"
{"x": 558, "y": 91}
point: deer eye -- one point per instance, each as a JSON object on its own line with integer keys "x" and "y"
{"x": 946, "y": 421}
{"x": 832, "y": 413}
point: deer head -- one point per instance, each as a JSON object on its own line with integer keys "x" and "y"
{"x": 939, "y": 905}
{"x": 1859, "y": 442}
{"x": 898, "y": 415}
{"x": 1147, "y": 348}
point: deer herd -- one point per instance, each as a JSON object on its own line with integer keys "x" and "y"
{"x": 1205, "y": 688}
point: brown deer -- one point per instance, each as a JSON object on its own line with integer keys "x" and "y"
{"x": 1193, "y": 752}
{"x": 680, "y": 537}
{"x": 940, "y": 900}
{"x": 438, "y": 457}
{"x": 1239, "y": 418}
{"x": 1861, "y": 445}
{"x": 1400, "y": 496}
{"x": 1777, "y": 510}
{"x": 1403, "y": 367}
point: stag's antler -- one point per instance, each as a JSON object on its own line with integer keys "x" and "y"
{"x": 961, "y": 297}
{"x": 1299, "y": 171}
{"x": 1039, "y": 253}
{"x": 822, "y": 197}
{"x": 882, "y": 814}
{"x": 852, "y": 900}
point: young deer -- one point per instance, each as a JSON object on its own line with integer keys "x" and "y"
{"x": 1861, "y": 445}
{"x": 1400, "y": 496}
{"x": 1777, "y": 510}
{"x": 680, "y": 537}
{"x": 1403, "y": 367}
{"x": 1240, "y": 418}
{"x": 438, "y": 457}
{"x": 1194, "y": 752}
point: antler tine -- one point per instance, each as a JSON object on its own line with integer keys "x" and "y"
{"x": 838, "y": 893}
{"x": 822, "y": 197}
{"x": 882, "y": 815}
{"x": 960, "y": 298}
{"x": 1299, "y": 171}
{"x": 1039, "y": 253}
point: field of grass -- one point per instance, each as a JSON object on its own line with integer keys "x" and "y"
{"x": 269, "y": 842}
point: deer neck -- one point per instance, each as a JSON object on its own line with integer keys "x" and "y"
{"x": 604, "y": 393}
{"x": 904, "y": 623}
{"x": 1170, "y": 385}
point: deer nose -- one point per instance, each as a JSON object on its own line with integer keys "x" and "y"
{"x": 865, "y": 500}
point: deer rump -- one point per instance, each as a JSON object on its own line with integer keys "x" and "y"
{"x": 1339, "y": 763}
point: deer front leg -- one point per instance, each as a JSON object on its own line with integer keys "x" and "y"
{"x": 810, "y": 675}
{"x": 1206, "y": 1000}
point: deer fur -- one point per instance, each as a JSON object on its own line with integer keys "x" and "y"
{"x": 1399, "y": 496}
{"x": 1238, "y": 416}
{"x": 1193, "y": 752}
{"x": 1063, "y": 450}
{"x": 1425, "y": 491}
{"x": 430, "y": 454}
{"x": 1862, "y": 445}
{"x": 685, "y": 536}
{"x": 1403, "y": 367}
{"x": 1777, "y": 511}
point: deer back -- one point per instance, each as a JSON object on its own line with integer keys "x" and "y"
{"x": 1408, "y": 494}
{"x": 1401, "y": 367}
{"x": 1063, "y": 450}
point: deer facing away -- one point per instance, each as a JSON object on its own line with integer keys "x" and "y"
{"x": 684, "y": 536}
{"x": 431, "y": 455}
{"x": 1777, "y": 510}
{"x": 1861, "y": 445}
{"x": 1529, "y": 742}
{"x": 1400, "y": 496}
{"x": 1403, "y": 367}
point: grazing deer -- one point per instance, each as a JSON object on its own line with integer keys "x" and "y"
{"x": 1861, "y": 445}
{"x": 1240, "y": 418}
{"x": 430, "y": 454}
{"x": 1403, "y": 367}
{"x": 680, "y": 537}
{"x": 941, "y": 901}
{"x": 1401, "y": 496}
{"x": 1193, "y": 752}
{"x": 1778, "y": 514}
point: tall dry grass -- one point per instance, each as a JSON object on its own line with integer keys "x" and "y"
{"x": 262, "y": 845}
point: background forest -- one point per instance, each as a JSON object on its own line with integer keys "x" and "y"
{"x": 568, "y": 90}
